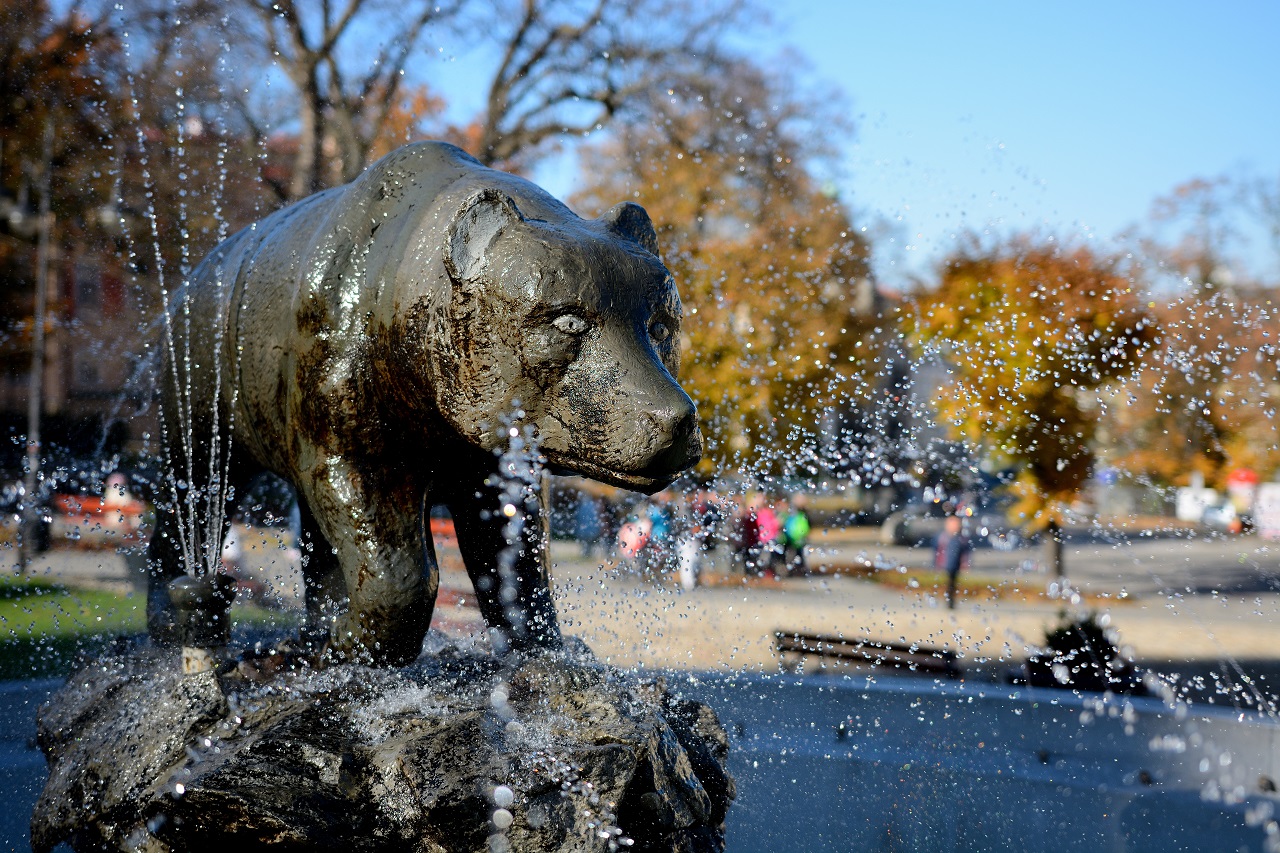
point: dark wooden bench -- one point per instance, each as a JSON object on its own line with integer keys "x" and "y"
{"x": 798, "y": 646}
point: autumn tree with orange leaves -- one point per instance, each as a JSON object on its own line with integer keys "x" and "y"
{"x": 1204, "y": 400}
{"x": 1031, "y": 334}
{"x": 51, "y": 64}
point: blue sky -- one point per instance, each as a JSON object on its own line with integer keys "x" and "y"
{"x": 1068, "y": 118}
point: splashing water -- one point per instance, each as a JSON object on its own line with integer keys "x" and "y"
{"x": 200, "y": 512}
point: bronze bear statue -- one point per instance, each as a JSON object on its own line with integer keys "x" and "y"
{"x": 372, "y": 345}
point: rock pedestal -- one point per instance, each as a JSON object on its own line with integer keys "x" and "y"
{"x": 457, "y": 752}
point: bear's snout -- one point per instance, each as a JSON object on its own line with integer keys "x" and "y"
{"x": 677, "y": 442}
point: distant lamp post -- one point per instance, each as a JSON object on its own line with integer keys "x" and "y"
{"x": 31, "y": 503}
{"x": 21, "y": 223}
{"x": 1222, "y": 276}
{"x": 109, "y": 219}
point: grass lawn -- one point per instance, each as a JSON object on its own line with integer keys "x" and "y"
{"x": 45, "y": 627}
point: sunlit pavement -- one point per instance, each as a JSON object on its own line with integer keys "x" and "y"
{"x": 1184, "y": 601}
{"x": 97, "y": 569}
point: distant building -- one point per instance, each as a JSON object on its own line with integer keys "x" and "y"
{"x": 91, "y": 347}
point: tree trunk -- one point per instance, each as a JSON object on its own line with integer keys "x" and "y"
{"x": 31, "y": 509}
{"x": 309, "y": 163}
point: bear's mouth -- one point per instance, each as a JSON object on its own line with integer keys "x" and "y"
{"x": 635, "y": 481}
{"x": 660, "y": 468}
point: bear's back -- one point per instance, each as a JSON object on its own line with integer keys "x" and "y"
{"x": 437, "y": 169}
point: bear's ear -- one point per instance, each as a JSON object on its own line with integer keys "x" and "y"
{"x": 473, "y": 229}
{"x": 630, "y": 220}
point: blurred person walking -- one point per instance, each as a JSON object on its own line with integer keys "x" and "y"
{"x": 746, "y": 535}
{"x": 953, "y": 554}
{"x": 795, "y": 535}
{"x": 587, "y": 524}
{"x": 770, "y": 534}
{"x": 661, "y": 541}
{"x": 689, "y": 535}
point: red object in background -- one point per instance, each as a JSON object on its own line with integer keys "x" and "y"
{"x": 633, "y": 537}
{"x": 1243, "y": 477}
{"x": 119, "y": 517}
{"x": 443, "y": 533}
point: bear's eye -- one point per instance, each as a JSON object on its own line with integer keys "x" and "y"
{"x": 570, "y": 324}
{"x": 659, "y": 332}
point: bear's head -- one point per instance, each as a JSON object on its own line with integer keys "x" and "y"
{"x": 575, "y": 323}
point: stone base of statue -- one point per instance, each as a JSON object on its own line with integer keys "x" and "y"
{"x": 457, "y": 752}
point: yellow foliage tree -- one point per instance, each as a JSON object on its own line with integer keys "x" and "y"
{"x": 1029, "y": 333}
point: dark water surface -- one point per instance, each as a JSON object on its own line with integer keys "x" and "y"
{"x": 898, "y": 764}
{"x": 22, "y": 768}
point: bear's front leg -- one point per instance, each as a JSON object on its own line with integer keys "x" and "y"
{"x": 377, "y": 528}
{"x": 512, "y": 586}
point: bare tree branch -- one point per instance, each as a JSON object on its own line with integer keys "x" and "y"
{"x": 345, "y": 92}
{"x": 568, "y": 67}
